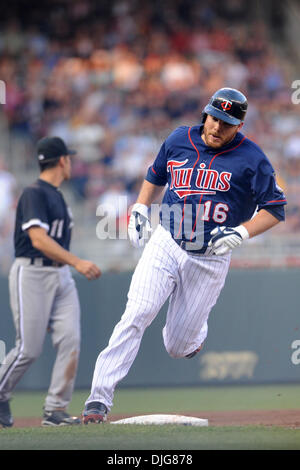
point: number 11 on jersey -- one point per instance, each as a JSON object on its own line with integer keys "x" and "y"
{"x": 57, "y": 228}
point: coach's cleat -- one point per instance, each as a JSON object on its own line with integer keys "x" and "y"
{"x": 6, "y": 419}
{"x": 59, "y": 418}
{"x": 189, "y": 356}
{"x": 94, "y": 412}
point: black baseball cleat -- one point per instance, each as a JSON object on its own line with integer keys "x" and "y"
{"x": 59, "y": 418}
{"x": 189, "y": 356}
{"x": 6, "y": 419}
{"x": 94, "y": 412}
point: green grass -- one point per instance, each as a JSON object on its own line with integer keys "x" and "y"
{"x": 170, "y": 400}
{"x": 124, "y": 437}
{"x": 166, "y": 400}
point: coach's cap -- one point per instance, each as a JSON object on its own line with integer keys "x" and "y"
{"x": 51, "y": 148}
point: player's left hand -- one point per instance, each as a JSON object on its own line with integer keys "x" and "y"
{"x": 88, "y": 269}
{"x": 139, "y": 225}
{"x": 225, "y": 239}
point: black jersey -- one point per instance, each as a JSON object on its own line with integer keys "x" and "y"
{"x": 41, "y": 204}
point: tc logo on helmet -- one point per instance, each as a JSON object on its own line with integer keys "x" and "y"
{"x": 226, "y": 105}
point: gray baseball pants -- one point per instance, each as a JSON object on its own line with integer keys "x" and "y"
{"x": 43, "y": 299}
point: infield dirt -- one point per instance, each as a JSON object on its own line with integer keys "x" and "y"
{"x": 284, "y": 418}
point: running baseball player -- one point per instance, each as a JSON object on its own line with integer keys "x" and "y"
{"x": 43, "y": 295}
{"x": 217, "y": 179}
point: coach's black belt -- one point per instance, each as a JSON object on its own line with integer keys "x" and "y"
{"x": 45, "y": 262}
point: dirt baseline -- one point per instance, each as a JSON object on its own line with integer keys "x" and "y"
{"x": 285, "y": 418}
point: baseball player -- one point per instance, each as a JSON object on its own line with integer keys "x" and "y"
{"x": 221, "y": 190}
{"x": 43, "y": 295}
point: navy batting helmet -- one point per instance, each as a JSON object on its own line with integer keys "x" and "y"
{"x": 227, "y": 104}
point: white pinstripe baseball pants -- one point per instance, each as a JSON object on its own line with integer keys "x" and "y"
{"x": 164, "y": 270}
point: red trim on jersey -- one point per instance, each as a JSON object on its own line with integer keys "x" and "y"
{"x": 189, "y": 192}
{"x": 217, "y": 155}
{"x": 153, "y": 170}
{"x": 198, "y": 158}
{"x": 228, "y": 150}
{"x": 277, "y": 200}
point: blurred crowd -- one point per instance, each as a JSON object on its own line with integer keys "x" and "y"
{"x": 114, "y": 78}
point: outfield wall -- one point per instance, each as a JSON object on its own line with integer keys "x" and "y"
{"x": 254, "y": 334}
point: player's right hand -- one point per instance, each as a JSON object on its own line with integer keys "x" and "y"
{"x": 88, "y": 269}
{"x": 139, "y": 225}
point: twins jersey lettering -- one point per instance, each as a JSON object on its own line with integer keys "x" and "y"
{"x": 207, "y": 181}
